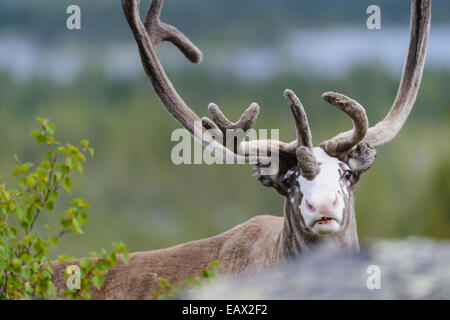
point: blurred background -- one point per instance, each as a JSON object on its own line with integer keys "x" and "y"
{"x": 90, "y": 83}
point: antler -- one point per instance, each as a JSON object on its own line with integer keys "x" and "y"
{"x": 304, "y": 137}
{"x": 304, "y": 146}
{"x": 225, "y": 129}
{"x": 147, "y": 36}
{"x": 153, "y": 31}
{"x": 356, "y": 112}
{"x": 385, "y": 130}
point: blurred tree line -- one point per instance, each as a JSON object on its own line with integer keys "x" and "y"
{"x": 102, "y": 20}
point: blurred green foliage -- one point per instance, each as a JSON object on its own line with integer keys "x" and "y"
{"x": 168, "y": 290}
{"x": 25, "y": 267}
{"x": 139, "y": 196}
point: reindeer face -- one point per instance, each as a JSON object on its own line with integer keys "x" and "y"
{"x": 319, "y": 187}
{"x": 320, "y": 202}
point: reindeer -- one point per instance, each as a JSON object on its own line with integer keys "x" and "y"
{"x": 316, "y": 182}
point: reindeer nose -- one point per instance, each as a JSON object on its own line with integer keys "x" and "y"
{"x": 322, "y": 204}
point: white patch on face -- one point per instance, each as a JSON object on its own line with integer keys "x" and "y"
{"x": 324, "y": 195}
{"x": 354, "y": 163}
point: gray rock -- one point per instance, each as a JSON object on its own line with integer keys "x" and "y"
{"x": 409, "y": 269}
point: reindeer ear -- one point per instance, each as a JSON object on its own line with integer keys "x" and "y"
{"x": 361, "y": 158}
{"x": 274, "y": 180}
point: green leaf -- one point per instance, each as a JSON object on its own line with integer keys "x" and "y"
{"x": 98, "y": 281}
{"x": 28, "y": 165}
{"x": 41, "y": 172}
{"x": 156, "y": 293}
{"x": 16, "y": 262}
{"x": 65, "y": 169}
{"x": 63, "y": 257}
{"x": 46, "y": 164}
{"x": 70, "y": 163}
{"x": 50, "y": 128}
{"x": 12, "y": 232}
{"x": 25, "y": 273}
{"x": 35, "y": 133}
{"x": 76, "y": 226}
{"x": 214, "y": 264}
{"x": 53, "y": 240}
{"x": 40, "y": 139}
{"x": 43, "y": 121}
{"x": 21, "y": 212}
{"x": 86, "y": 263}
{"x": 85, "y": 143}
{"x": 56, "y": 177}
{"x": 50, "y": 205}
{"x": 67, "y": 183}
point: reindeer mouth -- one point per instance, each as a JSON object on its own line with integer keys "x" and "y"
{"x": 325, "y": 220}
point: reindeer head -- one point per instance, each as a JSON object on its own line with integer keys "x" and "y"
{"x": 317, "y": 182}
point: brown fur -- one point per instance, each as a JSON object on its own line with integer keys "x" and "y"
{"x": 248, "y": 247}
{"x": 257, "y": 244}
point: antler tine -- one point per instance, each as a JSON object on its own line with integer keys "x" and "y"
{"x": 227, "y": 128}
{"x": 356, "y": 112}
{"x": 245, "y": 122}
{"x": 209, "y": 125}
{"x": 385, "y": 130}
{"x": 219, "y": 118}
{"x": 159, "y": 31}
{"x": 304, "y": 146}
{"x": 153, "y": 12}
{"x": 304, "y": 137}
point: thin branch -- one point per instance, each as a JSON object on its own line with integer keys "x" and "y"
{"x": 47, "y": 195}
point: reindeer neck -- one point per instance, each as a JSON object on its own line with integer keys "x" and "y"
{"x": 294, "y": 240}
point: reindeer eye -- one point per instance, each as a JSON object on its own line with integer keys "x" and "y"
{"x": 347, "y": 174}
{"x": 286, "y": 182}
